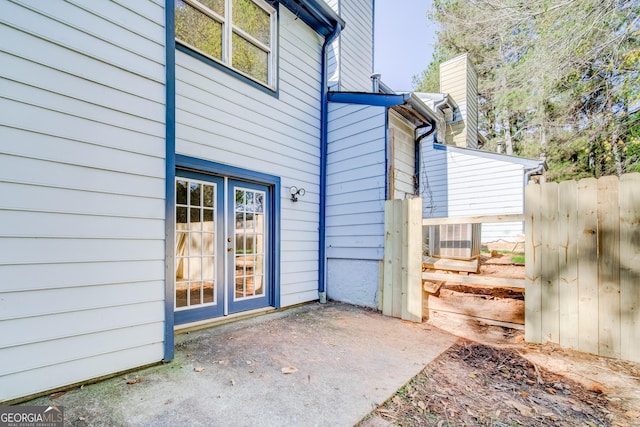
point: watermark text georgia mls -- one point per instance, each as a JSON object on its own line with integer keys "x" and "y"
{"x": 31, "y": 416}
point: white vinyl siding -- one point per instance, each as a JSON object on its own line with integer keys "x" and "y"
{"x": 356, "y": 182}
{"x": 404, "y": 156}
{"x": 464, "y": 182}
{"x": 356, "y": 192}
{"x": 354, "y": 47}
{"x": 82, "y": 177}
{"x": 224, "y": 120}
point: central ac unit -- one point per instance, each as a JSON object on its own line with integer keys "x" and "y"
{"x": 456, "y": 241}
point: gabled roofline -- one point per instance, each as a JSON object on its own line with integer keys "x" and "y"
{"x": 527, "y": 163}
{"x": 315, "y": 13}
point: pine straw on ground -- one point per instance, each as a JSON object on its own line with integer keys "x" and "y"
{"x": 473, "y": 384}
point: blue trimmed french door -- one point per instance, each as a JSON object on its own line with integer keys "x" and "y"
{"x": 248, "y": 211}
{"x": 222, "y": 246}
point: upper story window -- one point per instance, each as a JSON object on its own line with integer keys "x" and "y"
{"x": 237, "y": 33}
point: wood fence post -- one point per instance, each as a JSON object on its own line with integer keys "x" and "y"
{"x": 412, "y": 260}
{"x": 402, "y": 287}
{"x": 391, "y": 241}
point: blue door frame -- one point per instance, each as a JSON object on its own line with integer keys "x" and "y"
{"x": 203, "y": 170}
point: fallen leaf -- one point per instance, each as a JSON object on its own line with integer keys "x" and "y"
{"x": 249, "y": 362}
{"x": 421, "y": 405}
{"x": 81, "y": 418}
{"x": 198, "y": 369}
{"x": 524, "y": 394}
{"x": 134, "y": 381}
{"x": 472, "y": 375}
{"x": 289, "y": 370}
{"x": 57, "y": 394}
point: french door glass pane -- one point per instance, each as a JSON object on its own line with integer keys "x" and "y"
{"x": 195, "y": 241}
{"x": 249, "y": 244}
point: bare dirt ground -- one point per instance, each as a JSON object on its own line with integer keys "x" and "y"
{"x": 492, "y": 378}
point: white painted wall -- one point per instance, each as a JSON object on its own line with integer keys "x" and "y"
{"x": 223, "y": 119}
{"x": 462, "y": 182}
{"x": 354, "y": 281}
{"x": 354, "y": 45}
{"x": 355, "y": 201}
{"x": 404, "y": 156}
{"x": 82, "y": 181}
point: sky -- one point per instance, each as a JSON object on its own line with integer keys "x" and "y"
{"x": 403, "y": 42}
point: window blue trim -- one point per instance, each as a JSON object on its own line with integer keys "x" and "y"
{"x": 219, "y": 66}
{"x": 170, "y": 170}
{"x": 275, "y": 92}
{"x": 218, "y": 169}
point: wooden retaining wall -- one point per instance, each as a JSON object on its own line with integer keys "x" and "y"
{"x": 582, "y": 257}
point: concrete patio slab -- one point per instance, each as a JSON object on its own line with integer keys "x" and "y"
{"x": 343, "y": 361}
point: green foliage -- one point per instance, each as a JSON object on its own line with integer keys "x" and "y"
{"x": 197, "y": 30}
{"x": 556, "y": 78}
{"x": 251, "y": 38}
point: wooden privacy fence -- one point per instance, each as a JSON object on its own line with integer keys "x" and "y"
{"x": 401, "y": 294}
{"x": 582, "y": 261}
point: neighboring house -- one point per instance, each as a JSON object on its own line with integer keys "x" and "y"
{"x": 457, "y": 179}
{"x": 147, "y": 181}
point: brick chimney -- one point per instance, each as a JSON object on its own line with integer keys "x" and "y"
{"x": 459, "y": 79}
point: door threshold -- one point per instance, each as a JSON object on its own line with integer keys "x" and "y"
{"x": 207, "y": 323}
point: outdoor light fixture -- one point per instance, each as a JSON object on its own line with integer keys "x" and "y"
{"x": 295, "y": 192}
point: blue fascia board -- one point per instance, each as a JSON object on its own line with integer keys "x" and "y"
{"x": 315, "y": 13}
{"x": 368, "y": 98}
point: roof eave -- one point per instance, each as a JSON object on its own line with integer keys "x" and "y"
{"x": 315, "y": 13}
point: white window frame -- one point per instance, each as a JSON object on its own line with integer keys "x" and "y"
{"x": 228, "y": 29}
